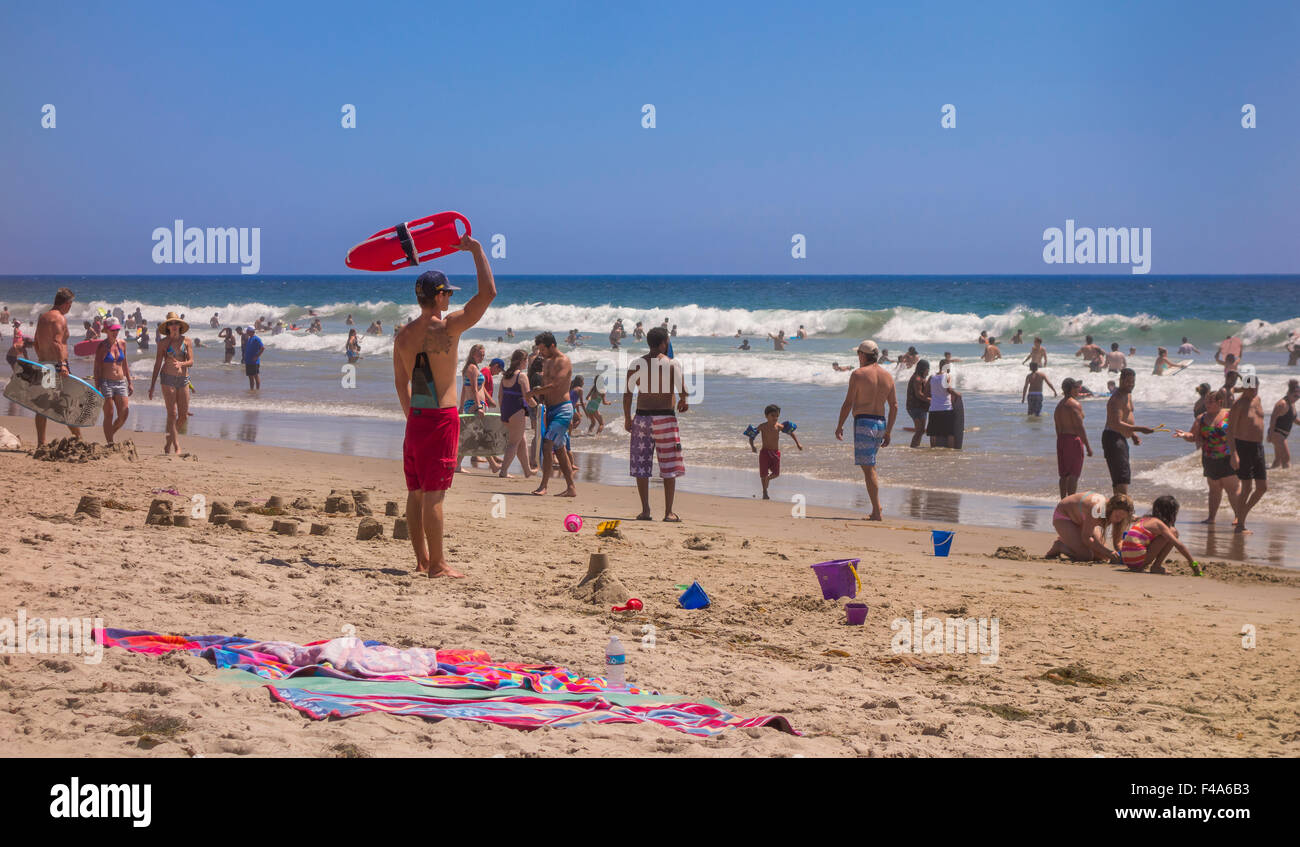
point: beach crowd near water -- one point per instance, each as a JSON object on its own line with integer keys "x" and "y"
{"x": 537, "y": 390}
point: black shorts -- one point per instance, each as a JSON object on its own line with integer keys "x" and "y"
{"x": 252, "y": 368}
{"x": 941, "y": 423}
{"x": 1250, "y": 460}
{"x": 1216, "y": 469}
{"x": 918, "y": 417}
{"x": 1115, "y": 448}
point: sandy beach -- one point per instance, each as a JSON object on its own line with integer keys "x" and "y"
{"x": 1091, "y": 660}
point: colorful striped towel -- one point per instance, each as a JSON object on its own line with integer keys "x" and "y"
{"x": 346, "y": 676}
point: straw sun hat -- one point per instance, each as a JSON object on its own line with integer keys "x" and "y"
{"x": 173, "y": 318}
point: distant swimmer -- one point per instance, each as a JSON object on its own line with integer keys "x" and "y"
{"x": 1089, "y": 352}
{"x": 918, "y": 400}
{"x": 349, "y": 321}
{"x": 615, "y": 335}
{"x": 1162, "y": 361}
{"x": 838, "y": 367}
{"x": 870, "y": 390}
{"x": 1115, "y": 360}
{"x": 1230, "y": 346}
{"x": 744, "y": 345}
{"x": 909, "y": 359}
{"x": 1280, "y": 422}
{"x": 991, "y": 351}
{"x": 315, "y": 327}
{"x": 510, "y": 333}
{"x": 1120, "y": 427}
{"x": 1019, "y": 337}
{"x": 803, "y": 333}
{"x": 1033, "y": 389}
{"x": 375, "y": 328}
{"x": 884, "y": 356}
{"x": 673, "y": 334}
{"x": 947, "y": 361}
{"x": 1071, "y": 437}
{"x": 1037, "y": 354}
{"x": 779, "y": 341}
{"x": 984, "y": 338}
{"x": 215, "y": 321}
{"x": 638, "y": 333}
{"x": 1187, "y": 348}
{"x": 353, "y": 347}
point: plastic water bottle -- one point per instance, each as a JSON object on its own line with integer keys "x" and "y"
{"x": 615, "y": 659}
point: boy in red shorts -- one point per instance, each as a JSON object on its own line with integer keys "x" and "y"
{"x": 769, "y": 458}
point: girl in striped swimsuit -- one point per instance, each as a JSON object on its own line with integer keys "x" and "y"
{"x": 1151, "y": 537}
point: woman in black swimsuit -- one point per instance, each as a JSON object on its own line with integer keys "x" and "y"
{"x": 1279, "y": 426}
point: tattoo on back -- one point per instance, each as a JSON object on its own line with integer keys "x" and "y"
{"x": 437, "y": 339}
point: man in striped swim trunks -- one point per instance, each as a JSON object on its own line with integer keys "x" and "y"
{"x": 871, "y": 389}
{"x": 655, "y": 378}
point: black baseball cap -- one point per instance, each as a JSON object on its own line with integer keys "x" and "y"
{"x": 431, "y": 283}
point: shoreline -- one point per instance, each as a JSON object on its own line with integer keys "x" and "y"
{"x": 1273, "y": 543}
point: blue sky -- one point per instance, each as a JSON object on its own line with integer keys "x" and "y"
{"x": 772, "y": 119}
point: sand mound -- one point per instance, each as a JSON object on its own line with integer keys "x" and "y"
{"x": 76, "y": 450}
{"x": 600, "y": 586}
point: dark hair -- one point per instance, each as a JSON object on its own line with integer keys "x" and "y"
{"x": 1114, "y": 345}
{"x": 1033, "y": 366}
{"x": 577, "y": 380}
{"x": 63, "y": 295}
{"x": 1128, "y": 372}
{"x": 517, "y": 359}
{"x": 1088, "y": 338}
{"x": 545, "y": 339}
{"x": 656, "y": 337}
{"x": 1165, "y": 508}
{"x": 1068, "y": 384}
{"x": 1203, "y": 389}
{"x": 771, "y": 408}
{"x": 922, "y": 367}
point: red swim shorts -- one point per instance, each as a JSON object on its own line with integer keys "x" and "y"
{"x": 769, "y": 462}
{"x": 429, "y": 449}
{"x": 1069, "y": 455}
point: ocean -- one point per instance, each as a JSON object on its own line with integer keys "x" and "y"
{"x": 303, "y": 401}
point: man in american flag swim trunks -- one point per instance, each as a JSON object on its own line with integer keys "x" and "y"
{"x": 655, "y": 379}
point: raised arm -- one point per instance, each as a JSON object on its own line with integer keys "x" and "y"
{"x": 459, "y": 321}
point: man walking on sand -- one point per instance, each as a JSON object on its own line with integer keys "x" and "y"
{"x": 1246, "y": 435}
{"x": 556, "y": 382}
{"x": 1119, "y": 428}
{"x": 654, "y": 379}
{"x": 1071, "y": 437}
{"x": 52, "y": 348}
{"x": 871, "y": 388}
{"x": 424, "y": 373}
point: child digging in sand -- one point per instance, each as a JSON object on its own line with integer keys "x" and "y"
{"x": 769, "y": 458}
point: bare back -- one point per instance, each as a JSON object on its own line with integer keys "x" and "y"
{"x": 430, "y": 335}
{"x": 1069, "y": 417}
{"x": 52, "y": 337}
{"x": 871, "y": 388}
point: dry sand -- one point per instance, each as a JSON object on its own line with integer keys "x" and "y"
{"x": 1173, "y": 678}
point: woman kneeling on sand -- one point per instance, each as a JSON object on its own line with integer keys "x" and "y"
{"x": 1080, "y": 521}
{"x": 1149, "y": 540}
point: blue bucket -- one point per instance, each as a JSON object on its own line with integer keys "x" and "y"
{"x": 942, "y": 541}
{"x": 693, "y": 598}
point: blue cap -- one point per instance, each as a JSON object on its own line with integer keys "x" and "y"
{"x": 431, "y": 283}
{"x": 501, "y": 363}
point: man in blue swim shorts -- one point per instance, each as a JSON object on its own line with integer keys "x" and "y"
{"x": 871, "y": 389}
{"x": 557, "y": 373}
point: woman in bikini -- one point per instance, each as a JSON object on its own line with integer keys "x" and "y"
{"x": 113, "y": 379}
{"x": 1149, "y": 540}
{"x": 1162, "y": 361}
{"x": 595, "y": 399}
{"x": 353, "y": 347}
{"x": 1210, "y": 433}
{"x": 514, "y": 412}
{"x": 1080, "y": 521}
{"x": 171, "y": 366}
{"x": 1280, "y": 422}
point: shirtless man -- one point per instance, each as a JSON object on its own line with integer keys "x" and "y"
{"x": 1246, "y": 435}
{"x": 871, "y": 388}
{"x": 779, "y": 341}
{"x": 655, "y": 377}
{"x": 1187, "y": 348}
{"x": 52, "y": 348}
{"x": 424, "y": 374}
{"x": 553, "y": 390}
{"x": 1119, "y": 428}
{"x": 991, "y": 351}
{"x": 1033, "y": 387}
{"x": 1071, "y": 437}
{"x": 1019, "y": 337}
{"x": 1115, "y": 360}
{"x": 1037, "y": 354}
{"x": 1089, "y": 351}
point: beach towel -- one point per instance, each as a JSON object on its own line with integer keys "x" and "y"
{"x": 344, "y": 677}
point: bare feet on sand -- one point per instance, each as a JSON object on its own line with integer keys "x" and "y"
{"x": 568, "y": 492}
{"x": 442, "y": 569}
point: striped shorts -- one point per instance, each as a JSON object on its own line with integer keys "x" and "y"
{"x": 656, "y": 435}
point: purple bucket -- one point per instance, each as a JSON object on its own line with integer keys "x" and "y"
{"x": 855, "y": 614}
{"x": 838, "y": 578}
